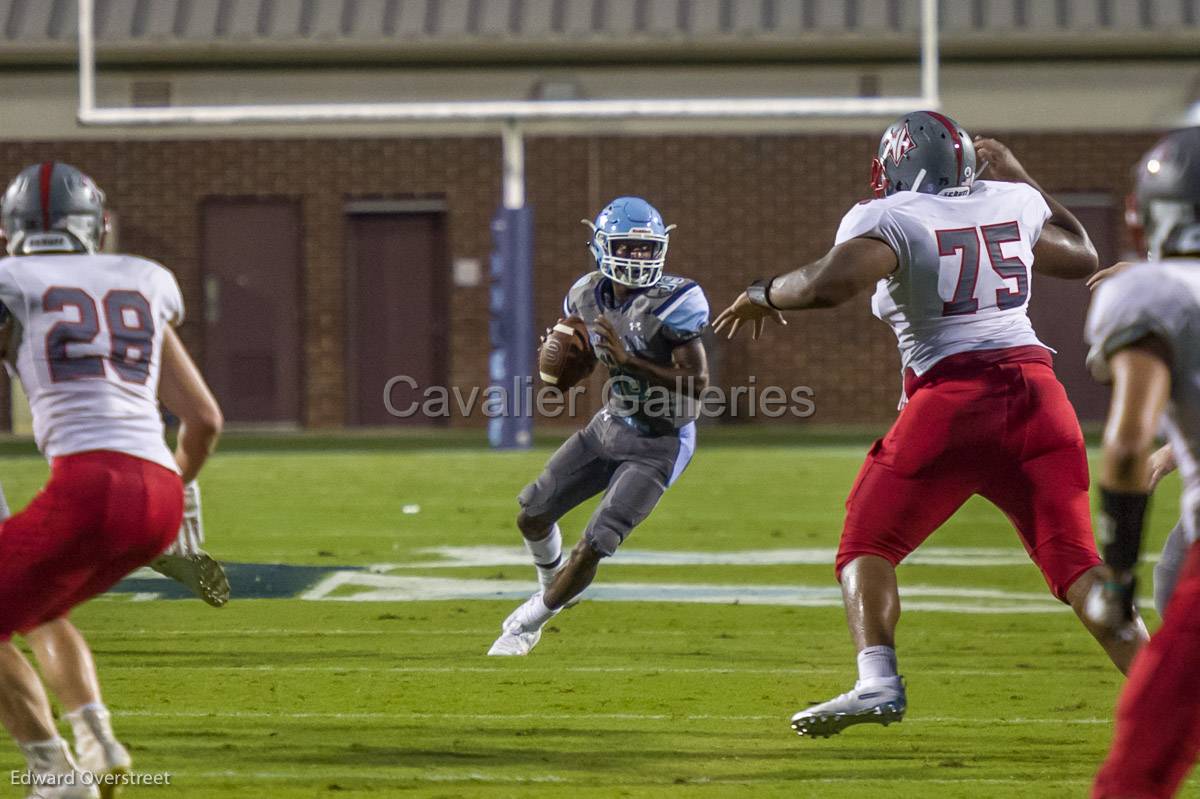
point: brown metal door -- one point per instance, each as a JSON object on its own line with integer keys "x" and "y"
{"x": 1059, "y": 311}
{"x": 251, "y": 270}
{"x": 396, "y": 315}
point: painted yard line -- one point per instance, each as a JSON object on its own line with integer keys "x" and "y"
{"x": 291, "y": 632}
{"x": 582, "y": 717}
{"x": 457, "y": 557}
{"x": 550, "y": 669}
{"x": 483, "y": 556}
{"x": 372, "y": 577}
{"x": 590, "y": 780}
{"x": 360, "y": 586}
{"x": 350, "y": 774}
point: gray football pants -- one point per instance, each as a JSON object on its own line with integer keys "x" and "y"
{"x": 1166, "y": 571}
{"x": 633, "y": 471}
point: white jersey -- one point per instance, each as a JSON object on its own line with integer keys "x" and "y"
{"x": 1161, "y": 299}
{"x": 963, "y": 280}
{"x": 88, "y": 347}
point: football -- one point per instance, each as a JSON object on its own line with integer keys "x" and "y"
{"x": 566, "y": 355}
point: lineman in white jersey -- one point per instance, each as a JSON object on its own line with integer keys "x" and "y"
{"x": 1144, "y": 332}
{"x": 937, "y": 312}
{"x": 90, "y": 337}
{"x": 951, "y": 260}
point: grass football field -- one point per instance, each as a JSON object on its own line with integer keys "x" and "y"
{"x": 345, "y": 679}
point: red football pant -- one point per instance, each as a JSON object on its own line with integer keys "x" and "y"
{"x": 102, "y": 515}
{"x": 995, "y": 423}
{"x": 1158, "y": 716}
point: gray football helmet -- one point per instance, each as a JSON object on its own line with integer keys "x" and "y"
{"x": 1165, "y": 205}
{"x": 927, "y": 152}
{"x": 52, "y": 207}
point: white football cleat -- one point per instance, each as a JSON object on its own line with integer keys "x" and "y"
{"x": 98, "y": 751}
{"x": 54, "y": 774}
{"x": 522, "y": 629}
{"x": 510, "y": 644}
{"x": 199, "y": 571}
{"x": 108, "y": 760}
{"x": 77, "y": 791}
{"x": 873, "y": 702}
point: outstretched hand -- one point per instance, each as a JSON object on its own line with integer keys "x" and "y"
{"x": 742, "y": 312}
{"x": 1162, "y": 463}
{"x": 1107, "y": 272}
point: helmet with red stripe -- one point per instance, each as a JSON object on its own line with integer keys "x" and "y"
{"x": 1164, "y": 210}
{"x": 927, "y": 152}
{"x": 52, "y": 207}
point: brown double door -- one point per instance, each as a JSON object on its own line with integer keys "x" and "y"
{"x": 397, "y": 316}
{"x": 251, "y": 265}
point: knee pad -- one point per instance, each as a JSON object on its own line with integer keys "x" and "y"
{"x": 611, "y": 525}
{"x": 534, "y": 499}
{"x": 603, "y": 540}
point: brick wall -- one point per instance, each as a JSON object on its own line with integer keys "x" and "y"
{"x": 746, "y": 207}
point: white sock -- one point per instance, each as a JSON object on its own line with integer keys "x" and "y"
{"x": 534, "y": 613}
{"x": 876, "y": 663}
{"x": 190, "y": 538}
{"x": 48, "y": 757}
{"x": 4, "y": 511}
{"x": 94, "y": 720}
{"x": 547, "y": 553}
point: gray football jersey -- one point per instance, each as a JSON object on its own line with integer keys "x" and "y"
{"x": 1161, "y": 299}
{"x": 651, "y": 322}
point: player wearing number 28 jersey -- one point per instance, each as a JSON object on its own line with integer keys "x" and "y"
{"x": 90, "y": 337}
{"x": 90, "y": 349}
{"x": 950, "y": 258}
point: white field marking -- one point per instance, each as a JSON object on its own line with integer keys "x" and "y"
{"x": 551, "y": 669}
{"x": 434, "y": 632}
{"x": 456, "y": 557}
{"x": 373, "y": 587}
{"x": 582, "y": 717}
{"x": 347, "y": 774}
{"x": 590, "y": 781}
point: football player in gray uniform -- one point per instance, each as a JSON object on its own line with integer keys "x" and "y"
{"x": 646, "y": 328}
{"x": 1143, "y": 330}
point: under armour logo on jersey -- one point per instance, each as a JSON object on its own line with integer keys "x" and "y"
{"x": 897, "y": 143}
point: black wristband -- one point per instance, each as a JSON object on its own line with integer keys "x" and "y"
{"x": 759, "y": 293}
{"x": 1122, "y": 514}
